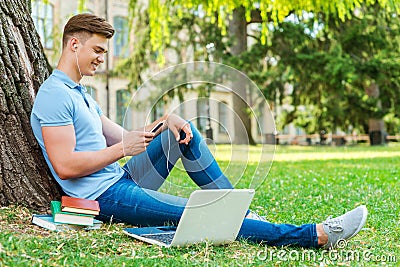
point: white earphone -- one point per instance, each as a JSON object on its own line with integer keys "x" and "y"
{"x": 75, "y": 46}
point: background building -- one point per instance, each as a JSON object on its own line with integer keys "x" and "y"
{"x": 111, "y": 92}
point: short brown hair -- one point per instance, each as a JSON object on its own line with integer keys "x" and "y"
{"x": 87, "y": 24}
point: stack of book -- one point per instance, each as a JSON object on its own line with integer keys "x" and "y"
{"x": 70, "y": 213}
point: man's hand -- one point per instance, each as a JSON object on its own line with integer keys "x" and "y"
{"x": 177, "y": 124}
{"x": 135, "y": 142}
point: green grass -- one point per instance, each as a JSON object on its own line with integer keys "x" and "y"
{"x": 304, "y": 185}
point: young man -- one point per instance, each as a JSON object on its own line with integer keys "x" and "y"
{"x": 82, "y": 146}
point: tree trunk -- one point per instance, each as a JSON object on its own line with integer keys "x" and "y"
{"x": 238, "y": 34}
{"x": 376, "y": 126}
{"x": 24, "y": 176}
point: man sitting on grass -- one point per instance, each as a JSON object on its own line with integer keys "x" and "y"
{"x": 82, "y": 147}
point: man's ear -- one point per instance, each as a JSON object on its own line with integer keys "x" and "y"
{"x": 74, "y": 43}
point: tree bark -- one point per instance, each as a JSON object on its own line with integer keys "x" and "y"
{"x": 376, "y": 126}
{"x": 24, "y": 176}
{"x": 238, "y": 34}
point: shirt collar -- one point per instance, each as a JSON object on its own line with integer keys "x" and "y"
{"x": 67, "y": 80}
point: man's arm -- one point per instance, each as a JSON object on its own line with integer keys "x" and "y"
{"x": 112, "y": 131}
{"x": 60, "y": 147}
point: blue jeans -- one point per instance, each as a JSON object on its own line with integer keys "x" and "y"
{"x": 134, "y": 198}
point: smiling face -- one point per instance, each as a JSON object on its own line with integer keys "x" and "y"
{"x": 90, "y": 54}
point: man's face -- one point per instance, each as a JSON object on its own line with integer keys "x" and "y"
{"x": 91, "y": 54}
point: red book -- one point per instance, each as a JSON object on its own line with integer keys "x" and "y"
{"x": 80, "y": 205}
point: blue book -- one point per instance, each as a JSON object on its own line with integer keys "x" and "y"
{"x": 46, "y": 221}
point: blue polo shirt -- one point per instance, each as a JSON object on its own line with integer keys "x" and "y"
{"x": 59, "y": 102}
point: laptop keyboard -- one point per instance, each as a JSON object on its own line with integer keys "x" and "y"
{"x": 164, "y": 238}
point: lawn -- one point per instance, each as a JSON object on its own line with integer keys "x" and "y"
{"x": 303, "y": 185}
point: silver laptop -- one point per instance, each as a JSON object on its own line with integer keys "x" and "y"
{"x": 213, "y": 216}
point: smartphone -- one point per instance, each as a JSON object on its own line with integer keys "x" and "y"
{"x": 158, "y": 126}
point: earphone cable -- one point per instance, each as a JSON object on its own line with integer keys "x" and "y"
{"x": 77, "y": 63}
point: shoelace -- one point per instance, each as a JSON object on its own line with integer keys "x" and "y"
{"x": 334, "y": 225}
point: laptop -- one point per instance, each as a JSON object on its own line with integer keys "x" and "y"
{"x": 213, "y": 216}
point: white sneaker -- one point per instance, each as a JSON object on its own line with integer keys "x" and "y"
{"x": 345, "y": 226}
{"x": 254, "y": 216}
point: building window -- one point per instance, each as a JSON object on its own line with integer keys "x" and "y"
{"x": 222, "y": 117}
{"x": 42, "y": 15}
{"x": 121, "y": 37}
{"x": 157, "y": 110}
{"x": 202, "y": 105}
{"x": 181, "y": 110}
{"x": 124, "y": 111}
{"x": 91, "y": 91}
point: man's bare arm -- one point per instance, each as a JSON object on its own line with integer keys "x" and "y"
{"x": 60, "y": 146}
{"x": 112, "y": 131}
